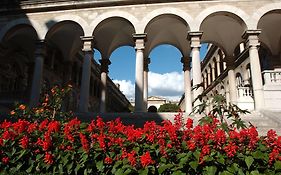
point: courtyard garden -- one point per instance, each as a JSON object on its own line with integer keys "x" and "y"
{"x": 49, "y": 140}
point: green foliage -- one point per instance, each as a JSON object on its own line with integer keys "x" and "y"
{"x": 169, "y": 107}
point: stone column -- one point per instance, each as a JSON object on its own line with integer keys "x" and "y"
{"x": 139, "y": 46}
{"x": 145, "y": 82}
{"x": 209, "y": 76}
{"x": 232, "y": 84}
{"x": 86, "y": 73}
{"x": 205, "y": 81}
{"x": 187, "y": 85}
{"x": 104, "y": 70}
{"x": 213, "y": 66}
{"x": 218, "y": 65}
{"x": 253, "y": 44}
{"x": 195, "y": 45}
{"x": 37, "y": 73}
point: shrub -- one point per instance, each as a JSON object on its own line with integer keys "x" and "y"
{"x": 169, "y": 107}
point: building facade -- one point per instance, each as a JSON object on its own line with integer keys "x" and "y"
{"x": 28, "y": 28}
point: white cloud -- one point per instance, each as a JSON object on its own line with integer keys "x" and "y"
{"x": 127, "y": 87}
{"x": 168, "y": 85}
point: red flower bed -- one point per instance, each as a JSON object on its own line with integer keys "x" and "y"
{"x": 44, "y": 141}
{"x": 111, "y": 148}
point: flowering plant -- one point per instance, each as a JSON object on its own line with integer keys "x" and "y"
{"x": 50, "y": 146}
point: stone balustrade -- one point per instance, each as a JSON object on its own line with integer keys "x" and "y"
{"x": 272, "y": 77}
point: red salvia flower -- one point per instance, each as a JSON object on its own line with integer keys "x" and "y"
{"x": 5, "y": 160}
{"x": 132, "y": 158}
{"x": 84, "y": 142}
{"x": 230, "y": 149}
{"x": 146, "y": 159}
{"x": 24, "y": 142}
{"x": 48, "y": 158}
{"x": 108, "y": 160}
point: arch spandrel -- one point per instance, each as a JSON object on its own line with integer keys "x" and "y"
{"x": 112, "y": 33}
{"x": 259, "y": 13}
{"x": 167, "y": 29}
{"x": 166, "y": 11}
{"x": 220, "y": 8}
{"x": 270, "y": 25}
{"x": 114, "y": 14}
{"x": 225, "y": 29}
{"x": 37, "y": 27}
{"x": 66, "y": 36}
{"x": 21, "y": 37}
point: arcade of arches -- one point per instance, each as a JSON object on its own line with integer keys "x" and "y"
{"x": 42, "y": 47}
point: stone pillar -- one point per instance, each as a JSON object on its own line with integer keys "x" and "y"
{"x": 37, "y": 73}
{"x": 232, "y": 83}
{"x": 253, "y": 44}
{"x": 195, "y": 45}
{"x": 209, "y": 75}
{"x": 104, "y": 70}
{"x": 139, "y": 46}
{"x": 205, "y": 81}
{"x": 187, "y": 85}
{"x": 213, "y": 66}
{"x": 86, "y": 73}
{"x": 145, "y": 81}
{"x": 218, "y": 65}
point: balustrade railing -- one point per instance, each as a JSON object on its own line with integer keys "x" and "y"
{"x": 272, "y": 77}
{"x": 245, "y": 92}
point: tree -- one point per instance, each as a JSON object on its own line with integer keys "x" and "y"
{"x": 169, "y": 107}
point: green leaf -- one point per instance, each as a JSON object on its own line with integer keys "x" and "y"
{"x": 69, "y": 168}
{"x": 178, "y": 173}
{"x": 249, "y": 160}
{"x": 22, "y": 152}
{"x": 226, "y": 173}
{"x": 19, "y": 165}
{"x": 240, "y": 172}
{"x": 38, "y": 157}
{"x": 211, "y": 170}
{"x": 258, "y": 155}
{"x": 194, "y": 165}
{"x": 164, "y": 167}
{"x": 60, "y": 169}
{"x": 277, "y": 165}
{"x": 100, "y": 165}
{"x": 256, "y": 172}
{"x": 77, "y": 168}
{"x": 119, "y": 172}
{"x": 128, "y": 171}
{"x": 143, "y": 171}
{"x": 221, "y": 160}
{"x": 196, "y": 154}
{"x": 29, "y": 170}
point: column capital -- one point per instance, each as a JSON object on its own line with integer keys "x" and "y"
{"x": 213, "y": 64}
{"x": 186, "y": 62}
{"x": 140, "y": 39}
{"x": 87, "y": 43}
{"x": 146, "y": 63}
{"x": 194, "y": 38}
{"x": 104, "y": 64}
{"x": 251, "y": 37}
{"x": 40, "y": 48}
{"x": 208, "y": 70}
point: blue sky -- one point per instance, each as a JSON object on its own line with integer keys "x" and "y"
{"x": 165, "y": 66}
